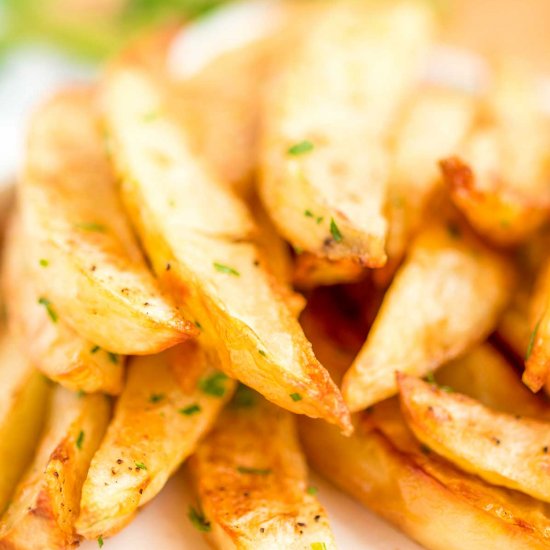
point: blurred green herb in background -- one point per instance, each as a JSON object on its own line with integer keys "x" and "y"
{"x": 89, "y": 29}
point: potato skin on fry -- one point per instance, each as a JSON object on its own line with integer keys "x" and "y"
{"x": 159, "y": 419}
{"x": 446, "y": 297}
{"x": 46, "y": 502}
{"x": 200, "y": 240}
{"x": 251, "y": 480}
{"x": 427, "y": 498}
{"x": 97, "y": 280}
{"x": 503, "y": 449}
{"x": 53, "y": 347}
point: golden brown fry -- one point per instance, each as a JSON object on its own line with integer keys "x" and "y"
{"x": 428, "y": 499}
{"x": 51, "y": 345}
{"x": 23, "y": 400}
{"x": 199, "y": 237}
{"x": 96, "y": 279}
{"x": 503, "y": 449}
{"x": 324, "y": 158}
{"x": 46, "y": 502}
{"x": 446, "y": 297}
{"x": 311, "y": 271}
{"x": 254, "y": 451}
{"x": 500, "y": 177}
{"x": 169, "y": 402}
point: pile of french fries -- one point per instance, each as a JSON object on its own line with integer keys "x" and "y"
{"x": 165, "y": 221}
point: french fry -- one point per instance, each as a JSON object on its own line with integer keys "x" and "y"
{"x": 427, "y": 498}
{"x": 23, "y": 399}
{"x": 445, "y": 298}
{"x": 169, "y": 402}
{"x": 50, "y": 344}
{"x": 324, "y": 157}
{"x": 503, "y": 449}
{"x": 251, "y": 481}
{"x": 199, "y": 237}
{"x": 89, "y": 269}
{"x": 46, "y": 502}
{"x": 311, "y": 271}
{"x": 499, "y": 178}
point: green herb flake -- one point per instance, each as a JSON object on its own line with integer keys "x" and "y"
{"x": 447, "y": 389}
{"x": 430, "y": 378}
{"x": 44, "y": 263}
{"x": 80, "y": 440}
{"x": 262, "y": 353}
{"x": 213, "y": 384}
{"x": 92, "y": 226}
{"x": 300, "y": 148}
{"x": 532, "y": 339}
{"x": 453, "y": 230}
{"x": 295, "y": 397}
{"x": 156, "y": 397}
{"x": 198, "y": 325}
{"x": 425, "y": 449}
{"x": 253, "y": 471}
{"x": 318, "y": 546}
{"x": 312, "y": 490}
{"x": 140, "y": 466}
{"x": 199, "y": 520}
{"x": 113, "y": 357}
{"x": 191, "y": 410}
{"x": 310, "y": 214}
{"x": 80, "y": 394}
{"x": 244, "y": 397}
{"x": 298, "y": 250}
{"x": 95, "y": 349}
{"x": 151, "y": 116}
{"x": 226, "y": 269}
{"x": 100, "y": 541}
{"x": 48, "y": 305}
{"x": 335, "y": 231}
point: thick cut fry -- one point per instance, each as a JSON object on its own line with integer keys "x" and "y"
{"x": 23, "y": 399}
{"x": 199, "y": 239}
{"x": 500, "y": 178}
{"x": 96, "y": 279}
{"x": 432, "y": 502}
{"x": 251, "y": 481}
{"x": 311, "y": 271}
{"x": 435, "y": 122}
{"x": 324, "y": 159}
{"x": 46, "y": 502}
{"x": 500, "y": 448}
{"x": 169, "y": 402}
{"x": 51, "y": 345}
{"x": 446, "y": 297}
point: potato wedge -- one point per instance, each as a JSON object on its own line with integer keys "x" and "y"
{"x": 503, "y": 449}
{"x": 46, "y": 502}
{"x": 499, "y": 178}
{"x": 96, "y": 279}
{"x": 169, "y": 402}
{"x": 199, "y": 237}
{"x": 324, "y": 160}
{"x": 434, "y": 123}
{"x": 53, "y": 347}
{"x": 253, "y": 451}
{"x": 23, "y": 399}
{"x": 428, "y": 499}
{"x": 446, "y": 297}
{"x": 311, "y": 271}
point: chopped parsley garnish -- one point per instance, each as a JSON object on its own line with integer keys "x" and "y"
{"x": 44, "y": 263}
{"x": 298, "y": 250}
{"x": 532, "y": 339}
{"x": 430, "y": 378}
{"x": 48, "y": 305}
{"x": 100, "y": 541}
{"x": 244, "y": 397}
{"x": 95, "y": 349}
{"x": 213, "y": 384}
{"x": 113, "y": 357}
{"x": 262, "y": 353}
{"x": 425, "y": 449}
{"x": 80, "y": 440}
{"x": 310, "y": 214}
{"x": 253, "y": 471}
{"x": 198, "y": 325}
{"x": 312, "y": 490}
{"x": 80, "y": 393}
{"x": 192, "y": 409}
{"x": 199, "y": 520}
{"x": 226, "y": 269}
{"x": 300, "y": 148}
{"x": 453, "y": 230}
{"x": 149, "y": 117}
{"x": 295, "y": 397}
{"x": 140, "y": 466}
{"x": 156, "y": 397}
{"x": 335, "y": 231}
{"x": 92, "y": 226}
{"x": 318, "y": 546}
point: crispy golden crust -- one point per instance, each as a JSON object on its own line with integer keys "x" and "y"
{"x": 503, "y": 449}
{"x": 160, "y": 416}
{"x": 199, "y": 237}
{"x": 251, "y": 481}
{"x": 96, "y": 280}
{"x": 45, "y": 505}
